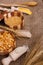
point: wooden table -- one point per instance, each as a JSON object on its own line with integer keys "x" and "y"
{"x": 33, "y": 23}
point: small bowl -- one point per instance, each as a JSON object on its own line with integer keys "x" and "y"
{"x": 14, "y": 19}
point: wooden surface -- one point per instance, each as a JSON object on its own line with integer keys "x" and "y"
{"x": 33, "y": 23}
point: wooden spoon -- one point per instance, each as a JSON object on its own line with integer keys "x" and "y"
{"x": 25, "y": 4}
{"x": 19, "y": 33}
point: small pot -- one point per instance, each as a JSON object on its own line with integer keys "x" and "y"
{"x": 7, "y": 42}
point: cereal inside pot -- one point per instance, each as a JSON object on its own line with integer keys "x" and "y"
{"x": 7, "y": 42}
